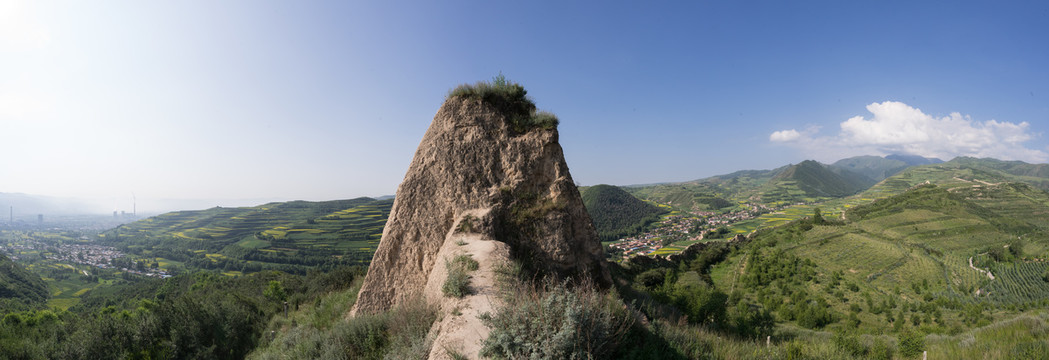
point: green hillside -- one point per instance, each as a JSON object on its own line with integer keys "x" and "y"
{"x": 874, "y": 167}
{"x": 616, "y": 213}
{"x": 816, "y": 181}
{"x": 290, "y": 236}
{"x": 806, "y": 182}
{"x": 1035, "y": 174}
{"x": 906, "y": 257}
{"x": 691, "y": 196}
{"x": 877, "y": 168}
{"x": 956, "y": 174}
{"x": 17, "y": 283}
{"x": 714, "y": 194}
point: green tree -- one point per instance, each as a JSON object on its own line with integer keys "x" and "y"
{"x": 911, "y": 343}
{"x": 1016, "y": 247}
{"x": 275, "y": 291}
{"x": 817, "y": 217}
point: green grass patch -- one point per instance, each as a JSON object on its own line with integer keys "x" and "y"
{"x": 253, "y": 243}
{"x": 457, "y": 284}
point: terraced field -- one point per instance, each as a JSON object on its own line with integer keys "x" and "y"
{"x": 967, "y": 177}
{"x": 915, "y": 247}
{"x": 1018, "y": 283}
{"x": 291, "y": 236}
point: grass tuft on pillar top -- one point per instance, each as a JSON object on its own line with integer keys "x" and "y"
{"x": 512, "y": 99}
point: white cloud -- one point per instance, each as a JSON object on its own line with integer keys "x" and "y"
{"x": 897, "y": 128}
{"x": 785, "y": 136}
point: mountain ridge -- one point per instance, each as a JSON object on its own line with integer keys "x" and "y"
{"x": 616, "y": 213}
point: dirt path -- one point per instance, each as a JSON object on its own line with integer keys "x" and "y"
{"x": 459, "y": 330}
{"x": 979, "y": 269}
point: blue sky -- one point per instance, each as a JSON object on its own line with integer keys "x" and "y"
{"x": 241, "y": 101}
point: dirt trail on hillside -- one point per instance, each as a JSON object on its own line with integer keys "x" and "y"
{"x": 979, "y": 269}
{"x": 460, "y": 330}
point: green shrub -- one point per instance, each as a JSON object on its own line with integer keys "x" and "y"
{"x": 465, "y": 261}
{"x": 510, "y": 98}
{"x": 702, "y": 304}
{"x": 543, "y": 119}
{"x": 751, "y": 321}
{"x": 275, "y": 291}
{"x": 398, "y": 334}
{"x": 850, "y": 344}
{"x": 457, "y": 284}
{"x": 911, "y": 343}
{"x": 795, "y": 350}
{"x": 408, "y": 327}
{"x": 466, "y": 225}
{"x": 1030, "y": 350}
{"x": 455, "y": 355}
{"x": 651, "y": 278}
{"x": 881, "y": 350}
{"x": 555, "y": 322}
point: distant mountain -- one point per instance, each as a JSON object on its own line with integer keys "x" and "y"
{"x": 1018, "y": 168}
{"x": 914, "y": 160}
{"x": 962, "y": 173}
{"x": 808, "y": 181}
{"x": 817, "y": 180}
{"x": 18, "y": 283}
{"x": 26, "y": 206}
{"x": 878, "y": 168}
{"x": 744, "y": 174}
{"x": 616, "y": 213}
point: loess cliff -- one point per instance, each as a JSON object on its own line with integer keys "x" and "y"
{"x": 483, "y": 185}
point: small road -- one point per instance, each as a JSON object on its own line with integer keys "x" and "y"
{"x": 979, "y": 269}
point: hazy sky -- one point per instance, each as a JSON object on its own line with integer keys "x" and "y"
{"x": 324, "y": 100}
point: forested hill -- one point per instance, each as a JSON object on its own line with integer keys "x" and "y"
{"x": 817, "y": 180}
{"x": 290, "y": 236}
{"x": 19, "y": 284}
{"x": 616, "y": 213}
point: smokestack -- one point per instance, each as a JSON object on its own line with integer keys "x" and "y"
{"x": 12, "y": 214}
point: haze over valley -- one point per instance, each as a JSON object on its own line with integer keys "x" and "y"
{"x": 337, "y": 180}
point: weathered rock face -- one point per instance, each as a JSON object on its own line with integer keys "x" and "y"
{"x": 471, "y": 161}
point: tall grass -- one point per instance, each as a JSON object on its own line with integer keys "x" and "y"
{"x": 457, "y": 284}
{"x": 1024, "y": 337}
{"x": 547, "y": 319}
{"x": 512, "y": 99}
{"x": 321, "y": 331}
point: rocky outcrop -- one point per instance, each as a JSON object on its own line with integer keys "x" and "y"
{"x": 475, "y": 173}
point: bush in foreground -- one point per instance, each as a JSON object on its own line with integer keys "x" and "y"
{"x": 554, "y": 321}
{"x": 323, "y": 333}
